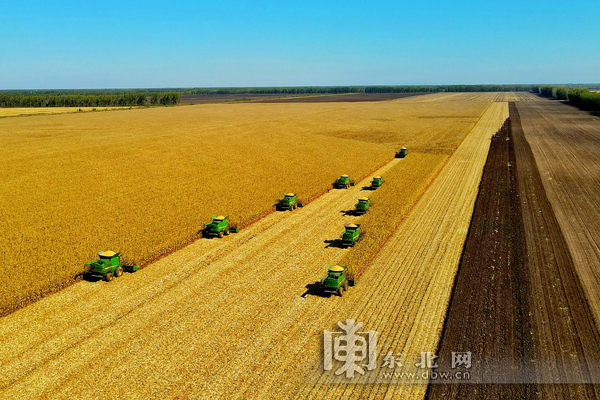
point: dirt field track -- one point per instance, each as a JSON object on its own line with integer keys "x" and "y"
{"x": 237, "y": 317}
{"x": 566, "y": 146}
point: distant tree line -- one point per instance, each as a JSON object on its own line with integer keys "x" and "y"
{"x": 165, "y": 98}
{"x": 86, "y": 100}
{"x": 277, "y": 90}
{"x": 577, "y": 94}
{"x": 582, "y": 98}
{"x": 449, "y": 88}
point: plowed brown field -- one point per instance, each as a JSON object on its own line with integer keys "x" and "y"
{"x": 237, "y": 317}
{"x": 518, "y": 305}
{"x": 566, "y": 146}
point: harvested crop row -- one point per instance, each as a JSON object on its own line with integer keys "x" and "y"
{"x": 408, "y": 286}
{"x": 403, "y": 185}
{"x": 207, "y": 313}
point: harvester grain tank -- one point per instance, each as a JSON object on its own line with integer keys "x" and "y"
{"x": 351, "y": 235}
{"x": 402, "y": 153}
{"x": 108, "y": 266}
{"x": 344, "y": 182}
{"x": 289, "y": 201}
{"x": 363, "y": 205}
{"x": 336, "y": 281}
{"x": 219, "y": 226}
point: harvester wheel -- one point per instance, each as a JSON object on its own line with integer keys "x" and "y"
{"x": 220, "y": 234}
{"x": 341, "y": 291}
{"x": 346, "y": 285}
{"x": 118, "y": 272}
{"x": 108, "y": 277}
{"x": 226, "y": 231}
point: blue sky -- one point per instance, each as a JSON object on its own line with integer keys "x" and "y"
{"x": 121, "y": 44}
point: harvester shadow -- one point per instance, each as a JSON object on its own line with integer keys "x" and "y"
{"x": 314, "y": 289}
{"x": 351, "y": 213}
{"x": 89, "y": 278}
{"x": 202, "y": 235}
{"x": 337, "y": 243}
{"x": 370, "y": 188}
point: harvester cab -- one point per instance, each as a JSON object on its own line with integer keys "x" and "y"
{"x": 363, "y": 205}
{"x": 344, "y": 182}
{"x": 108, "y": 266}
{"x": 219, "y": 226}
{"x": 376, "y": 182}
{"x": 402, "y": 153}
{"x": 351, "y": 235}
{"x": 289, "y": 201}
{"x": 336, "y": 281}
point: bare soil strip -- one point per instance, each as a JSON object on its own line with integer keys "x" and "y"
{"x": 517, "y": 305}
{"x": 566, "y": 145}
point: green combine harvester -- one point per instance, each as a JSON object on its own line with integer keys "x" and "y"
{"x": 363, "y": 205}
{"x": 402, "y": 153}
{"x": 351, "y": 235}
{"x": 344, "y": 182}
{"x": 108, "y": 266}
{"x": 289, "y": 202}
{"x": 376, "y": 182}
{"x": 336, "y": 281}
{"x": 219, "y": 226}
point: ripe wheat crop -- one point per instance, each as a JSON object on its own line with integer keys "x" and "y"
{"x": 144, "y": 181}
{"x": 15, "y": 112}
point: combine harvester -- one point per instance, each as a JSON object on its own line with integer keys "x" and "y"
{"x": 376, "y": 182}
{"x": 289, "y": 202}
{"x": 108, "y": 266}
{"x": 336, "y": 281}
{"x": 219, "y": 226}
{"x": 351, "y": 235}
{"x": 343, "y": 182}
{"x": 402, "y": 153}
{"x": 363, "y": 205}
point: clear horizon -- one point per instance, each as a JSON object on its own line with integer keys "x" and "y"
{"x": 150, "y": 44}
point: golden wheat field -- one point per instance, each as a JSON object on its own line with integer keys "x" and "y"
{"x": 15, "y": 112}
{"x": 237, "y": 317}
{"x": 144, "y": 181}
